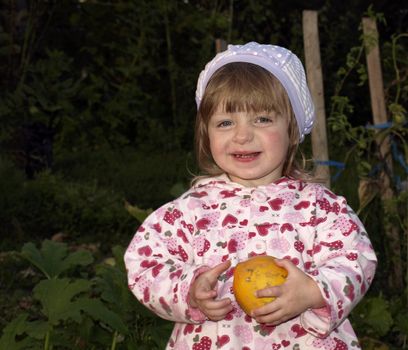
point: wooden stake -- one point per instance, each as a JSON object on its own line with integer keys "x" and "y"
{"x": 374, "y": 71}
{"x": 220, "y": 45}
{"x": 315, "y": 82}
{"x": 375, "y": 79}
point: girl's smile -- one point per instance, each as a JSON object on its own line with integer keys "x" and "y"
{"x": 250, "y": 147}
{"x": 245, "y": 156}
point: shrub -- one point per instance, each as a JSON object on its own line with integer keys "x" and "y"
{"x": 72, "y": 209}
{"x": 77, "y": 303}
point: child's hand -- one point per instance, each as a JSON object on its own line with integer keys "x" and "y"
{"x": 296, "y": 295}
{"x": 203, "y": 293}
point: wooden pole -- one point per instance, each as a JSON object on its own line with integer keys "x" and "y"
{"x": 315, "y": 82}
{"x": 375, "y": 80}
{"x": 374, "y": 71}
{"x": 220, "y": 45}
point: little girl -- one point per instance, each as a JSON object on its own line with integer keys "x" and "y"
{"x": 254, "y": 108}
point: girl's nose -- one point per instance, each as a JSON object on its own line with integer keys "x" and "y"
{"x": 243, "y": 134}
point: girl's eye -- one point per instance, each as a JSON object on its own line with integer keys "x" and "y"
{"x": 224, "y": 124}
{"x": 263, "y": 119}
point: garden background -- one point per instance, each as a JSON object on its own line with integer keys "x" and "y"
{"x": 97, "y": 111}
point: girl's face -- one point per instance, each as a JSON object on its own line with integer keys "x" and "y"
{"x": 250, "y": 147}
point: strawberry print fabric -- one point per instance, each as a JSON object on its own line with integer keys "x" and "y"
{"x": 218, "y": 220}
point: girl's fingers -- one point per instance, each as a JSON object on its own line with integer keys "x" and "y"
{"x": 267, "y": 309}
{"x": 272, "y": 319}
{"x": 205, "y": 294}
{"x": 219, "y": 316}
{"x": 269, "y": 322}
{"x": 217, "y": 270}
{"x": 213, "y": 309}
{"x": 216, "y": 308}
{"x": 269, "y": 292}
{"x": 267, "y": 314}
{"x": 217, "y": 304}
{"x": 285, "y": 263}
{"x": 218, "y": 313}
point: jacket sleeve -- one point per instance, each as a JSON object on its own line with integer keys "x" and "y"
{"x": 343, "y": 263}
{"x": 160, "y": 264}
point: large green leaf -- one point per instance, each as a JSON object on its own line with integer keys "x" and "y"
{"x": 37, "y": 329}
{"x": 98, "y": 311}
{"x": 53, "y": 258}
{"x": 112, "y": 285}
{"x": 111, "y": 282}
{"x": 401, "y": 322}
{"x": 118, "y": 253}
{"x": 139, "y": 214}
{"x": 56, "y": 297}
{"x": 161, "y": 333}
{"x": 375, "y": 313}
{"x": 16, "y": 327}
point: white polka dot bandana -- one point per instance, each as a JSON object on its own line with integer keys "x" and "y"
{"x": 282, "y": 63}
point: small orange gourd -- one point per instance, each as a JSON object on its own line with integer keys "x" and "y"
{"x": 256, "y": 273}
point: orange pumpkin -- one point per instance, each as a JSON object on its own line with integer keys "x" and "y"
{"x": 256, "y": 273}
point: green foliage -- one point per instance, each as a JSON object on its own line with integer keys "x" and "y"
{"x": 16, "y": 327}
{"x": 11, "y": 189}
{"x": 96, "y": 312}
{"x": 139, "y": 214}
{"x": 52, "y": 259}
{"x": 378, "y": 157}
{"x": 55, "y": 296}
{"x": 141, "y": 177}
{"x": 374, "y": 315}
{"x": 73, "y": 208}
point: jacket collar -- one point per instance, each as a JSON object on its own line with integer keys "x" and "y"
{"x": 224, "y": 182}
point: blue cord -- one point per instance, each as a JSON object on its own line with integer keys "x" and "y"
{"x": 379, "y": 126}
{"x": 341, "y": 166}
{"x": 395, "y": 153}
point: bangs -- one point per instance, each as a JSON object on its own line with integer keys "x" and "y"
{"x": 242, "y": 98}
{"x": 244, "y": 87}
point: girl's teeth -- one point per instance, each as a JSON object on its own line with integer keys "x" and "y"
{"x": 245, "y": 155}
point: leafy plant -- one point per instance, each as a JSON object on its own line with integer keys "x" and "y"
{"x": 75, "y": 306}
{"x": 377, "y": 156}
{"x": 53, "y": 258}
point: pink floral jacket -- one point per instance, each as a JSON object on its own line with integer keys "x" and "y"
{"x": 218, "y": 220}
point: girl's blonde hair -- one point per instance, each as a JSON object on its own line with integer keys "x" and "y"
{"x": 245, "y": 87}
